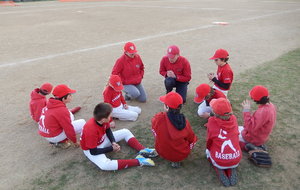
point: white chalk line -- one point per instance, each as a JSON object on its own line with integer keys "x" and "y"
{"x": 133, "y": 6}
{"x": 137, "y": 39}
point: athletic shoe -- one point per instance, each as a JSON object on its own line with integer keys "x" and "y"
{"x": 144, "y": 161}
{"x": 222, "y": 176}
{"x": 175, "y": 164}
{"x": 148, "y": 153}
{"x": 62, "y": 145}
{"x": 232, "y": 175}
{"x": 75, "y": 110}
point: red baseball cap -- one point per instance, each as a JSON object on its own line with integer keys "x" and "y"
{"x": 201, "y": 91}
{"x": 257, "y": 92}
{"x": 116, "y": 82}
{"x": 172, "y": 99}
{"x": 172, "y": 51}
{"x": 220, "y": 53}
{"x": 62, "y": 90}
{"x": 221, "y": 106}
{"x": 47, "y": 87}
{"x": 130, "y": 47}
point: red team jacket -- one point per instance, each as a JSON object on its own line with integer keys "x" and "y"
{"x": 224, "y": 75}
{"x": 114, "y": 98}
{"x": 170, "y": 143}
{"x": 181, "y": 68}
{"x": 258, "y": 127}
{"x": 222, "y": 141}
{"x": 130, "y": 70}
{"x": 55, "y": 119}
{"x": 37, "y": 103}
{"x": 92, "y": 134}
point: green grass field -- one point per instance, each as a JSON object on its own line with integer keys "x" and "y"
{"x": 280, "y": 76}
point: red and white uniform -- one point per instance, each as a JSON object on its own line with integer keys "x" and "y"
{"x": 57, "y": 122}
{"x": 224, "y": 75}
{"x": 37, "y": 103}
{"x": 131, "y": 70}
{"x": 170, "y": 143}
{"x": 222, "y": 142}
{"x": 94, "y": 136}
{"x": 258, "y": 126}
{"x": 116, "y": 100}
{"x": 204, "y": 106}
{"x": 181, "y": 68}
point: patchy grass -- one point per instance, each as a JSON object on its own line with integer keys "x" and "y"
{"x": 282, "y": 78}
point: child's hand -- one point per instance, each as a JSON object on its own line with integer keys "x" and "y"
{"x": 116, "y": 147}
{"x": 246, "y": 105}
{"x": 210, "y": 76}
{"x": 125, "y": 106}
{"x": 112, "y": 124}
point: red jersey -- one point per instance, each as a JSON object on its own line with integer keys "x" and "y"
{"x": 170, "y": 143}
{"x": 223, "y": 141}
{"x": 130, "y": 70}
{"x": 181, "y": 68}
{"x": 92, "y": 134}
{"x": 37, "y": 103}
{"x": 114, "y": 98}
{"x": 224, "y": 75}
{"x": 258, "y": 127}
{"x": 55, "y": 119}
{"x": 217, "y": 94}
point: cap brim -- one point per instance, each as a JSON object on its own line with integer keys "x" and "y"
{"x": 72, "y": 91}
{"x": 212, "y": 102}
{"x": 132, "y": 51}
{"x": 198, "y": 99}
{"x": 213, "y": 57}
{"x": 119, "y": 88}
{"x": 162, "y": 99}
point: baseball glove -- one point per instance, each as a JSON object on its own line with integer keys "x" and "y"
{"x": 260, "y": 158}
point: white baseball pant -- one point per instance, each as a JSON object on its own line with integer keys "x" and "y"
{"x": 130, "y": 114}
{"x": 203, "y": 108}
{"x": 101, "y": 160}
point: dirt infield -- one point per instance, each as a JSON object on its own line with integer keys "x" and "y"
{"x": 77, "y": 44}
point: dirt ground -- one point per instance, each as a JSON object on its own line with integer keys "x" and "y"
{"x": 78, "y": 43}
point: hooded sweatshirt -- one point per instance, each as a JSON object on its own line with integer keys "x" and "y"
{"x": 36, "y": 104}
{"x": 258, "y": 127}
{"x": 223, "y": 141}
{"x": 172, "y": 142}
{"x": 55, "y": 119}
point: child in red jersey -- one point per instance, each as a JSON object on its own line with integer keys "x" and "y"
{"x": 113, "y": 95}
{"x": 204, "y": 94}
{"x": 38, "y": 100}
{"x": 98, "y": 139}
{"x": 222, "y": 142}
{"x": 57, "y": 123}
{"x": 224, "y": 77}
{"x": 259, "y": 125}
{"x": 174, "y": 137}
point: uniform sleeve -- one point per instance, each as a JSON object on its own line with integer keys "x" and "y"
{"x": 227, "y": 76}
{"x": 118, "y": 67}
{"x": 122, "y": 99}
{"x": 208, "y": 136}
{"x": 107, "y": 96}
{"x": 253, "y": 123}
{"x": 192, "y": 138}
{"x": 221, "y": 84}
{"x": 142, "y": 68}
{"x": 186, "y": 74}
{"x": 162, "y": 68}
{"x": 65, "y": 122}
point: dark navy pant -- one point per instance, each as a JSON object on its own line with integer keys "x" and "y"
{"x": 181, "y": 87}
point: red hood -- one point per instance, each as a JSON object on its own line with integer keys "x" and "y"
{"x": 53, "y": 103}
{"x": 35, "y": 95}
{"x": 227, "y": 125}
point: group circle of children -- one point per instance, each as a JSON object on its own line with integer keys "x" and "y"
{"x": 173, "y": 134}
